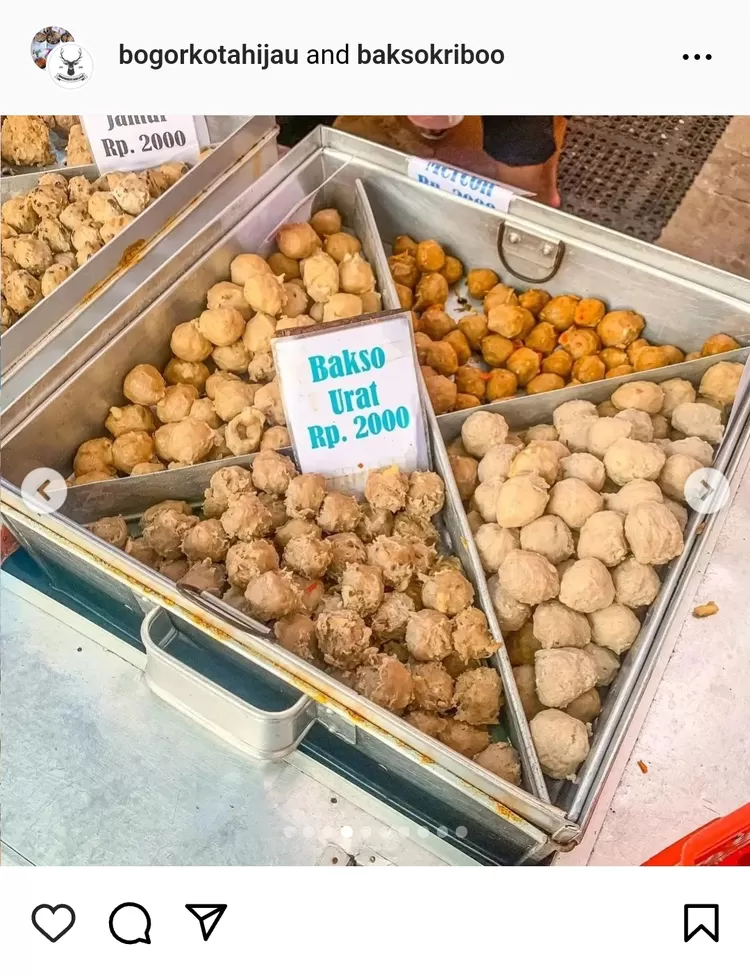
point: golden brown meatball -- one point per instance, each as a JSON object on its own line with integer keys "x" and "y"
{"x": 390, "y": 619}
{"x": 501, "y": 759}
{"x": 525, "y": 364}
{"x": 395, "y": 558}
{"x": 480, "y": 281}
{"x": 339, "y": 513}
{"x": 404, "y": 243}
{"x": 305, "y": 495}
{"x": 113, "y": 530}
{"x": 471, "y": 636}
{"x": 580, "y": 342}
{"x": 428, "y": 635}
{"x": 404, "y": 269}
{"x": 534, "y": 300}
{"x": 470, "y": 381}
{"x": 544, "y": 383}
{"x": 94, "y": 455}
{"x": 142, "y": 552}
{"x": 362, "y": 588}
{"x": 297, "y": 241}
{"x": 131, "y": 448}
{"x": 22, "y": 291}
{"x": 193, "y": 374}
{"x": 478, "y": 696}
{"x": 718, "y": 343}
{"x": 272, "y": 595}
{"x": 465, "y": 739}
{"x": 589, "y": 312}
{"x": 559, "y": 363}
{"x": 426, "y": 494}
{"x": 497, "y": 349}
{"x": 612, "y": 357}
{"x": 272, "y": 472}
{"x": 165, "y": 531}
{"x": 542, "y": 338}
{"x": 433, "y": 687}
{"x": 430, "y": 256}
{"x": 246, "y": 561}
{"x": 386, "y": 489}
{"x": 560, "y": 311}
{"x": 432, "y": 289}
{"x": 144, "y": 385}
{"x": 588, "y": 369}
{"x": 246, "y": 518}
{"x": 343, "y": 638}
{"x": 405, "y": 296}
{"x": 442, "y": 393}
{"x": 340, "y": 244}
{"x": 308, "y": 556}
{"x": 447, "y": 591}
{"x": 501, "y": 383}
{"x": 325, "y": 222}
{"x": 345, "y": 548}
{"x": 436, "y": 323}
{"x": 620, "y": 328}
{"x": 283, "y": 267}
{"x": 386, "y": 682}
{"x": 650, "y": 357}
{"x": 296, "y": 633}
{"x": 474, "y": 327}
{"x": 510, "y": 321}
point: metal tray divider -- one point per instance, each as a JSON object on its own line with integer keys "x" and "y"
{"x": 465, "y": 547}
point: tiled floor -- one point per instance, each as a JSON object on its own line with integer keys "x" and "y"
{"x": 712, "y": 224}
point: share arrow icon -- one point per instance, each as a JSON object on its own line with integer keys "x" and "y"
{"x": 208, "y": 916}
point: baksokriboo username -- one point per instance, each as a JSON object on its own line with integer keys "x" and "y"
{"x": 263, "y": 56}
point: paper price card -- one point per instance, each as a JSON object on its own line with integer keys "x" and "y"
{"x": 351, "y": 398}
{"x": 478, "y": 189}
{"x": 135, "y": 142}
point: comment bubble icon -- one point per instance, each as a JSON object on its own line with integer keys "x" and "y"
{"x": 130, "y": 924}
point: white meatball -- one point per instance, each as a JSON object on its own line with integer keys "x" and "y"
{"x": 528, "y": 577}
{"x": 660, "y": 427}
{"x": 641, "y": 423}
{"x": 636, "y": 585}
{"x": 675, "y": 473}
{"x": 520, "y": 500}
{"x": 511, "y": 613}
{"x": 720, "y": 382}
{"x": 699, "y": 420}
{"x": 587, "y": 586}
{"x": 496, "y": 462}
{"x": 603, "y": 537}
{"x": 485, "y": 499}
{"x": 679, "y": 512}
{"x": 493, "y": 545}
{"x": 606, "y": 662}
{"x": 604, "y": 432}
{"x": 572, "y": 421}
{"x": 482, "y": 431}
{"x": 586, "y": 468}
{"x": 634, "y": 493}
{"x": 540, "y": 432}
{"x": 676, "y": 391}
{"x": 694, "y": 447}
{"x": 574, "y": 502}
{"x": 561, "y": 742}
{"x": 538, "y": 458}
{"x": 562, "y": 674}
{"x": 653, "y": 534}
{"x": 586, "y": 707}
{"x": 615, "y": 627}
{"x": 627, "y": 460}
{"x": 550, "y": 537}
{"x": 556, "y": 625}
{"x": 639, "y": 394}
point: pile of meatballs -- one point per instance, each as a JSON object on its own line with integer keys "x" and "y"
{"x": 218, "y": 395}
{"x": 356, "y": 588}
{"x": 573, "y": 521}
{"x": 516, "y": 343}
{"x": 56, "y": 227}
{"x": 26, "y": 140}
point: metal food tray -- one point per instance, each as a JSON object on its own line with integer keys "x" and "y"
{"x": 83, "y": 401}
{"x": 88, "y": 283}
{"x": 593, "y": 258}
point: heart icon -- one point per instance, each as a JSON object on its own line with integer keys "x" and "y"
{"x": 53, "y": 922}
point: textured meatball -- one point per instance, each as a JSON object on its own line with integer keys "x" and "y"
{"x": 145, "y": 385}
{"x": 134, "y": 447}
{"x": 272, "y": 595}
{"x": 305, "y": 495}
{"x": 471, "y": 636}
{"x": 390, "y": 619}
{"x": 603, "y": 537}
{"x": 188, "y": 441}
{"x": 496, "y": 463}
{"x": 640, "y": 395}
{"x": 345, "y": 548}
{"x": 428, "y": 635}
{"x": 635, "y": 492}
{"x": 296, "y": 633}
{"x": 246, "y": 561}
{"x": 493, "y": 544}
{"x": 272, "y": 472}
{"x": 113, "y": 530}
{"x": 206, "y": 540}
{"x": 556, "y": 625}
{"x": 430, "y": 723}
{"x": 426, "y": 494}
{"x": 247, "y": 518}
{"x": 482, "y": 431}
{"x": 511, "y": 613}
{"x": 344, "y": 639}
{"x": 561, "y": 742}
{"x": 447, "y": 591}
{"x": 226, "y": 485}
{"x": 478, "y": 696}
{"x": 587, "y": 586}
{"x": 395, "y": 558}
{"x": 615, "y": 627}
{"x": 22, "y": 291}
{"x": 176, "y": 403}
{"x": 636, "y": 585}
{"x": 386, "y": 682}
{"x": 308, "y": 556}
{"x": 339, "y": 513}
{"x": 528, "y": 577}
{"x": 464, "y": 738}
{"x": 433, "y": 687}
{"x": 387, "y": 489}
{"x": 362, "y": 589}
{"x": 165, "y": 532}
{"x": 653, "y": 534}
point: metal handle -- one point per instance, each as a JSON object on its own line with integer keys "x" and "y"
{"x": 263, "y": 735}
{"x": 547, "y": 249}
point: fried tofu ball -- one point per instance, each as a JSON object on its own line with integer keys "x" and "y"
{"x": 620, "y": 328}
{"x": 165, "y": 531}
{"x": 308, "y": 556}
{"x": 113, "y": 530}
{"x": 548, "y": 536}
{"x": 556, "y": 625}
{"x": 493, "y": 544}
{"x": 698, "y": 420}
{"x": 478, "y": 696}
{"x": 245, "y": 561}
{"x": 144, "y": 385}
{"x": 320, "y": 275}
{"x": 428, "y": 635}
{"x": 433, "y": 687}
{"x": 561, "y": 742}
{"x": 627, "y": 460}
{"x": 718, "y": 343}
{"x": 447, "y": 591}
{"x": 432, "y": 289}
{"x": 636, "y": 585}
{"x": 471, "y": 636}
{"x": 528, "y": 577}
{"x": 341, "y": 244}
{"x": 560, "y": 311}
{"x": 247, "y": 266}
{"x": 615, "y": 627}
{"x": 187, "y": 441}
{"x": 25, "y": 141}
{"x": 343, "y": 638}
{"x": 653, "y": 533}
{"x": 520, "y": 500}
{"x": 345, "y": 548}
{"x": 386, "y": 682}
{"x": 296, "y": 633}
{"x": 297, "y": 241}
{"x": 305, "y": 495}
{"x": 246, "y": 518}
{"x": 272, "y": 595}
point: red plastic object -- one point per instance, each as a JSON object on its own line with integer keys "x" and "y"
{"x": 724, "y": 842}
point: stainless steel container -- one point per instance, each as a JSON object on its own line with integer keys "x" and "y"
{"x": 323, "y": 171}
{"x": 111, "y": 264}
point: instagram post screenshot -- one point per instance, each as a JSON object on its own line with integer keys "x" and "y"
{"x": 374, "y": 488}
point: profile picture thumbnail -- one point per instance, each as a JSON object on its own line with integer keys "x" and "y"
{"x": 43, "y": 42}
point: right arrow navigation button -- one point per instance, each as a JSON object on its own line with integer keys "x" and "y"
{"x": 208, "y": 917}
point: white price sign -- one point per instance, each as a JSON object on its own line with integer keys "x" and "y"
{"x": 351, "y": 398}
{"x": 457, "y": 182}
{"x": 135, "y": 142}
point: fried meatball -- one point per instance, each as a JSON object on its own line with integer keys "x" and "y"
{"x": 580, "y": 343}
{"x": 113, "y": 530}
{"x": 471, "y": 636}
{"x": 344, "y": 639}
{"x": 432, "y": 289}
{"x": 171, "y": 505}
{"x": 428, "y": 635}
{"x": 246, "y": 518}
{"x": 246, "y": 266}
{"x": 395, "y": 558}
{"x": 561, "y": 742}
{"x": 222, "y": 326}
{"x": 499, "y": 295}
{"x": 176, "y": 403}
{"x": 226, "y": 485}
{"x": 386, "y": 682}
{"x": 340, "y": 244}
{"x": 94, "y": 455}
{"x": 144, "y": 385}
{"x": 22, "y": 291}
{"x": 345, "y": 548}
{"x": 442, "y": 393}
{"x": 339, "y": 513}
{"x": 521, "y": 500}
{"x": 620, "y": 328}
{"x": 142, "y": 552}
{"x": 719, "y": 342}
{"x": 429, "y": 723}
{"x": 272, "y": 472}
{"x": 246, "y": 561}
{"x": 308, "y": 556}
{"x": 433, "y": 687}
{"x": 465, "y": 474}
{"x": 206, "y": 540}
{"x": 373, "y": 522}
{"x": 187, "y": 441}
{"x": 387, "y": 489}
{"x": 558, "y": 363}
{"x": 464, "y": 738}
{"x": 134, "y": 447}
{"x": 165, "y": 531}
{"x": 389, "y": 620}
{"x": 447, "y": 591}
{"x": 193, "y": 374}
{"x": 296, "y": 633}
{"x": 636, "y": 585}
{"x": 272, "y": 595}
{"x": 560, "y": 311}
{"x": 305, "y": 495}
{"x": 478, "y": 696}
{"x": 615, "y": 627}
